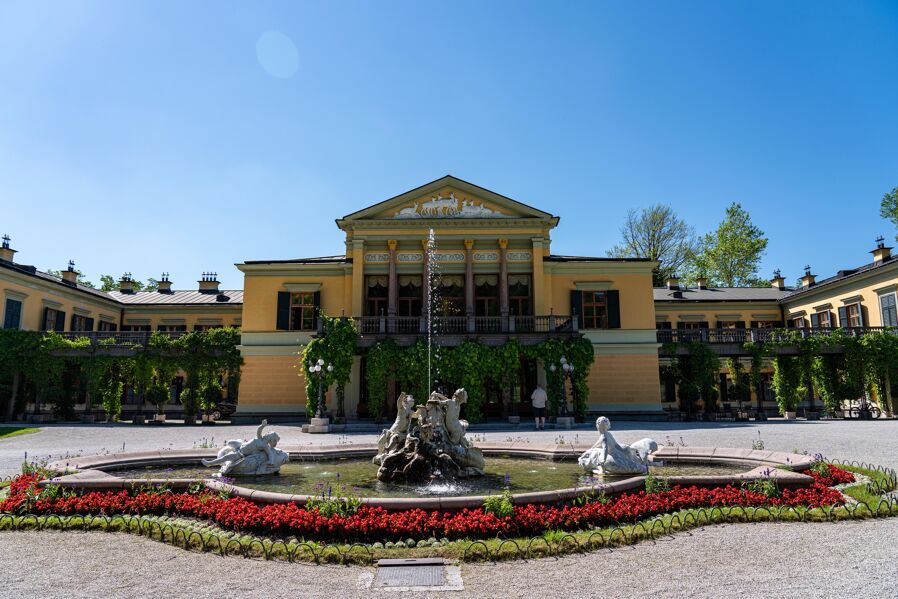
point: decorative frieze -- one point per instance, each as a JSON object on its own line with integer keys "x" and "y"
{"x": 409, "y": 257}
{"x": 377, "y": 257}
{"x": 519, "y": 256}
{"x": 486, "y": 256}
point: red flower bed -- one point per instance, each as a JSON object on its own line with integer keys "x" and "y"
{"x": 836, "y": 476}
{"x": 377, "y": 524}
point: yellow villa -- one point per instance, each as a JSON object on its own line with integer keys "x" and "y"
{"x": 498, "y": 279}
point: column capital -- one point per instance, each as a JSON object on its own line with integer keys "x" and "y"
{"x": 469, "y": 244}
{"x": 358, "y": 244}
{"x": 391, "y": 244}
{"x": 537, "y": 241}
{"x": 503, "y": 243}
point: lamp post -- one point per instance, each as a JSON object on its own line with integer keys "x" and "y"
{"x": 320, "y": 370}
{"x": 566, "y": 369}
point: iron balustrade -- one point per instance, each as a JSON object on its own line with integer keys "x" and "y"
{"x": 758, "y": 335}
{"x": 464, "y": 325}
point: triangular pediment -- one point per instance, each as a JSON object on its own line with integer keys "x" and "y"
{"x": 447, "y": 198}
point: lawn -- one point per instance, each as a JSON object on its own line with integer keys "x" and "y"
{"x": 12, "y": 431}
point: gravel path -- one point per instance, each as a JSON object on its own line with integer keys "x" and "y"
{"x": 857, "y": 559}
{"x": 745, "y": 560}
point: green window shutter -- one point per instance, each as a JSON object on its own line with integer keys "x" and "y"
{"x": 754, "y": 324}
{"x": 681, "y": 325}
{"x": 703, "y": 324}
{"x": 740, "y": 324}
{"x": 283, "y": 314}
{"x": 316, "y": 301}
{"x": 72, "y": 325}
{"x": 717, "y": 324}
{"x": 90, "y": 324}
{"x": 577, "y": 305}
{"x": 843, "y": 316}
{"x": 815, "y": 320}
{"x": 60, "y": 321}
{"x": 613, "y": 296}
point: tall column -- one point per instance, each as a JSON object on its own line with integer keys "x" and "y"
{"x": 393, "y": 282}
{"x": 539, "y": 282}
{"x": 469, "y": 277}
{"x": 503, "y": 277}
{"x": 358, "y": 276}
{"x": 425, "y": 280}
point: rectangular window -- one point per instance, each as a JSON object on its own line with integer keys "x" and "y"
{"x": 81, "y": 323}
{"x": 766, "y": 324}
{"x": 823, "y": 319}
{"x": 519, "y": 302}
{"x": 172, "y": 328}
{"x": 410, "y": 296}
{"x": 377, "y": 295}
{"x": 888, "y": 310}
{"x": 798, "y": 323}
{"x": 302, "y": 311}
{"x": 206, "y": 327}
{"x": 135, "y": 328}
{"x": 486, "y": 295}
{"x": 726, "y": 324}
{"x": 595, "y": 310}
{"x": 451, "y": 296}
{"x": 853, "y": 315}
{"x": 52, "y": 320}
{"x": 107, "y": 326}
{"x": 12, "y": 316}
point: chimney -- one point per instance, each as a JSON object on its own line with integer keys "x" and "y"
{"x": 209, "y": 283}
{"x": 673, "y": 282}
{"x": 881, "y": 253}
{"x": 808, "y": 279}
{"x": 778, "y": 281}
{"x": 6, "y": 252}
{"x": 70, "y": 275}
{"x": 126, "y": 284}
{"x": 701, "y": 282}
{"x": 164, "y": 284}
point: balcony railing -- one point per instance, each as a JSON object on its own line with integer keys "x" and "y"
{"x": 117, "y": 339}
{"x": 466, "y": 325}
{"x": 740, "y": 336}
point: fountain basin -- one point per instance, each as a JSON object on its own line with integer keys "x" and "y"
{"x": 707, "y": 467}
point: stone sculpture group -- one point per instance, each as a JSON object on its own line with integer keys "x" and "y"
{"x": 428, "y": 442}
{"x": 607, "y": 456}
{"x": 250, "y": 458}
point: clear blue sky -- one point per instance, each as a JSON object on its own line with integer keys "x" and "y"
{"x": 187, "y": 136}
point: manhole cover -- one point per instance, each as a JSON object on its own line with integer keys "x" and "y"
{"x": 416, "y": 574}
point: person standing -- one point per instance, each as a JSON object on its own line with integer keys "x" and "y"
{"x": 538, "y": 399}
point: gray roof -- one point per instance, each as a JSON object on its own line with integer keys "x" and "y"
{"x": 190, "y": 297}
{"x": 720, "y": 294}
{"x": 26, "y": 269}
{"x": 560, "y": 258}
{"x": 843, "y": 275}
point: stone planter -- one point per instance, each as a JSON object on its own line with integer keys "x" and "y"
{"x": 319, "y": 425}
{"x": 813, "y": 415}
{"x": 514, "y": 420}
{"x": 138, "y": 419}
{"x": 159, "y": 418}
{"x": 742, "y": 416}
{"x": 789, "y": 415}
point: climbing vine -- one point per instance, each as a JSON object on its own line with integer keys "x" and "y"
{"x": 337, "y": 347}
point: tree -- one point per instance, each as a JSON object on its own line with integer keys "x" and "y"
{"x": 658, "y": 234}
{"x": 110, "y": 283}
{"x": 888, "y": 208}
{"x": 731, "y": 255}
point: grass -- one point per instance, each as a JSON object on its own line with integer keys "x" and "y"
{"x": 12, "y": 431}
{"x": 860, "y": 491}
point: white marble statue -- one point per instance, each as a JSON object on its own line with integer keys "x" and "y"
{"x": 251, "y": 458}
{"x": 607, "y": 456}
{"x": 393, "y": 438}
{"x": 447, "y": 411}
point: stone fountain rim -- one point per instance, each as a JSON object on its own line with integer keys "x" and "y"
{"x": 91, "y": 472}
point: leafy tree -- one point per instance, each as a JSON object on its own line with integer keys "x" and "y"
{"x": 888, "y": 208}
{"x": 658, "y": 234}
{"x": 110, "y": 283}
{"x": 731, "y": 255}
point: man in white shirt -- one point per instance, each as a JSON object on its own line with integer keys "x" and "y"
{"x": 538, "y": 399}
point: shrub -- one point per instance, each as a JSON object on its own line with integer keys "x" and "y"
{"x": 501, "y": 506}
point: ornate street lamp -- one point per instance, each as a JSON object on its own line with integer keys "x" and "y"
{"x": 566, "y": 369}
{"x": 320, "y": 370}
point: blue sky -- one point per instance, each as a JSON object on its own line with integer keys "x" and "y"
{"x": 151, "y": 136}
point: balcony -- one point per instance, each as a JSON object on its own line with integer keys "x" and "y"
{"x": 112, "y": 343}
{"x": 731, "y": 341}
{"x": 452, "y": 330}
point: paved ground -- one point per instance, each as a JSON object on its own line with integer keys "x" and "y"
{"x": 765, "y": 560}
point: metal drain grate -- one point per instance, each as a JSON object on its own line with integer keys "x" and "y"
{"x": 405, "y": 573}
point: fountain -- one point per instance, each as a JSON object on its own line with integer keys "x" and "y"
{"x": 607, "y": 456}
{"x": 257, "y": 457}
